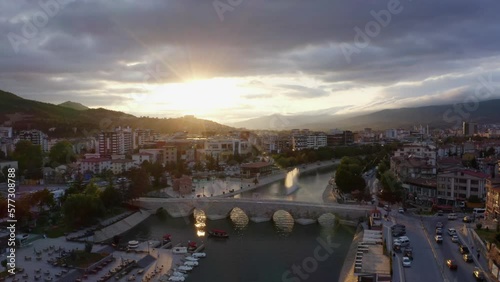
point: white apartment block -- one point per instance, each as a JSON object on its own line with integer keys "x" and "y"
{"x": 36, "y": 137}
{"x": 309, "y": 141}
{"x": 95, "y": 165}
{"x": 139, "y": 158}
{"x": 217, "y": 147}
{"x": 462, "y": 184}
{"x": 121, "y": 165}
{"x": 418, "y": 151}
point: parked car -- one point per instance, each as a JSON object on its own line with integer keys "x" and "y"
{"x": 406, "y": 262}
{"x": 408, "y": 253}
{"x": 478, "y": 274}
{"x": 452, "y": 216}
{"x": 467, "y": 219}
{"x": 451, "y": 264}
{"x": 463, "y": 249}
{"x": 396, "y": 247}
{"x": 401, "y": 210}
{"x": 439, "y": 239}
{"x": 467, "y": 257}
{"x": 454, "y": 239}
{"x": 440, "y": 213}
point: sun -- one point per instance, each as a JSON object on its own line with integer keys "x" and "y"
{"x": 197, "y": 97}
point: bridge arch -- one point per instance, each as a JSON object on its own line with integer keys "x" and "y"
{"x": 283, "y": 220}
{"x": 239, "y": 218}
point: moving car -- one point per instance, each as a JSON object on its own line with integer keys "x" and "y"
{"x": 467, "y": 257}
{"x": 439, "y": 231}
{"x": 439, "y": 224}
{"x": 406, "y": 262}
{"x": 452, "y": 231}
{"x": 440, "y": 213}
{"x": 463, "y": 249}
{"x": 439, "y": 239}
{"x": 467, "y": 219}
{"x": 478, "y": 274}
{"x": 451, "y": 264}
{"x": 452, "y": 216}
{"x": 454, "y": 239}
{"x": 401, "y": 210}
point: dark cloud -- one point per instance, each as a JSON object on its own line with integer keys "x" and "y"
{"x": 87, "y": 46}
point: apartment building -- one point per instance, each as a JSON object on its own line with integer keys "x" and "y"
{"x": 94, "y": 165}
{"x": 36, "y": 137}
{"x": 461, "y": 184}
{"x": 493, "y": 196}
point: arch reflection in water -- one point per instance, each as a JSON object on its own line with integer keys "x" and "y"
{"x": 239, "y": 218}
{"x": 200, "y": 222}
{"x": 283, "y": 220}
{"x": 327, "y": 220}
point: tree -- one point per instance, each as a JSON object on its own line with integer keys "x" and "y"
{"x": 30, "y": 159}
{"x": 62, "y": 153}
{"x": 392, "y": 189}
{"x": 348, "y": 176}
{"x": 110, "y": 197}
{"x": 82, "y": 209}
{"x": 43, "y": 198}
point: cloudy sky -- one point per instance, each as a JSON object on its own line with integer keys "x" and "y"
{"x": 229, "y": 60}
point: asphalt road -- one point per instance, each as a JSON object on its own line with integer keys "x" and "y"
{"x": 429, "y": 263}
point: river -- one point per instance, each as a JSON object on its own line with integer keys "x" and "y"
{"x": 263, "y": 252}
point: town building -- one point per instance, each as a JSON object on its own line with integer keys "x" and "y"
{"x": 493, "y": 197}
{"x": 139, "y": 158}
{"x": 36, "y": 137}
{"x": 5, "y": 132}
{"x": 258, "y": 169}
{"x": 461, "y": 184}
{"x": 469, "y": 128}
{"x": 94, "y": 165}
{"x": 342, "y": 138}
{"x": 121, "y": 165}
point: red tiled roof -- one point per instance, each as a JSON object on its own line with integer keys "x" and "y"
{"x": 475, "y": 174}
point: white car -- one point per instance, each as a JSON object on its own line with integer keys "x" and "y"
{"x": 454, "y": 239}
{"x": 401, "y": 210}
{"x": 406, "y": 262}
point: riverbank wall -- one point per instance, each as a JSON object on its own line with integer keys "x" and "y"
{"x": 121, "y": 226}
{"x": 347, "y": 272}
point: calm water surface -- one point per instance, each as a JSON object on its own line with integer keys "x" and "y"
{"x": 260, "y": 252}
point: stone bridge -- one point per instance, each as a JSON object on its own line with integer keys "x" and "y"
{"x": 218, "y": 208}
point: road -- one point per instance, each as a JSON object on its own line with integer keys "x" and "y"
{"x": 424, "y": 265}
{"x": 429, "y": 257}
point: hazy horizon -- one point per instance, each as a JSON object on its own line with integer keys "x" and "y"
{"x": 237, "y": 60}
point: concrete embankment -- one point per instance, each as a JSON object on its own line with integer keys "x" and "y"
{"x": 347, "y": 272}
{"x": 121, "y": 226}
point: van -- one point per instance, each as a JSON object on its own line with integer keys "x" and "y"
{"x": 479, "y": 212}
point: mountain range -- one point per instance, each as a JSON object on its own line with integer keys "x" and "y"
{"x": 75, "y": 120}
{"x": 438, "y": 116}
